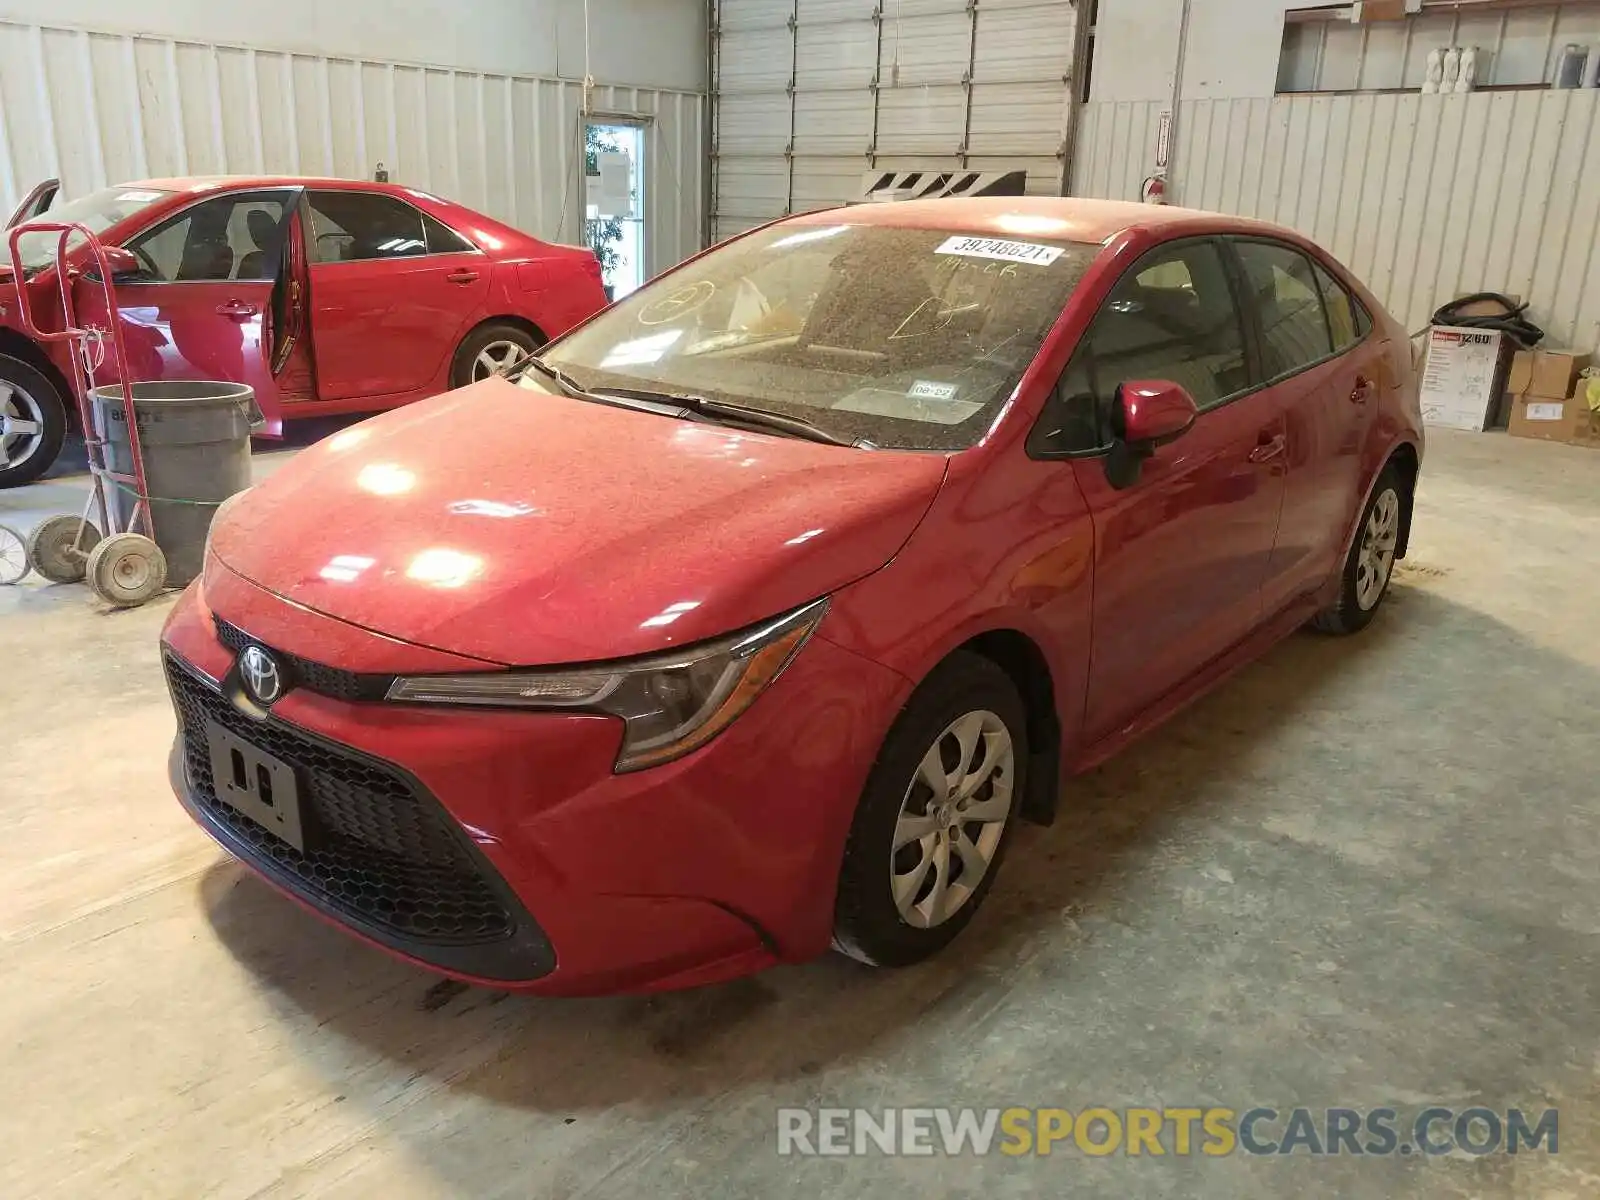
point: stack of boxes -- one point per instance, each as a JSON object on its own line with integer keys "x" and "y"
{"x": 1548, "y": 398}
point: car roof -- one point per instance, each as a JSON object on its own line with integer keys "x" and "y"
{"x": 208, "y": 183}
{"x": 1065, "y": 218}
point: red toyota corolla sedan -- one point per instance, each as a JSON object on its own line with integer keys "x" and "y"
{"x": 753, "y": 617}
{"x": 325, "y": 295}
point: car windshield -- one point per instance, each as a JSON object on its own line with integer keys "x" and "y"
{"x": 99, "y": 211}
{"x": 906, "y": 338}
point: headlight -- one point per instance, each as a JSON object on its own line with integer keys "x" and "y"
{"x": 670, "y": 704}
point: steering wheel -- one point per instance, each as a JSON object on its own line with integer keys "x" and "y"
{"x": 145, "y": 261}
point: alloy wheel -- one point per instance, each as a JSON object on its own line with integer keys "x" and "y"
{"x": 952, "y": 818}
{"x": 21, "y": 425}
{"x": 1375, "y": 559}
{"x": 495, "y": 358}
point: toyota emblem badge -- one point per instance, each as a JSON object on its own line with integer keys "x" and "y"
{"x": 259, "y": 672}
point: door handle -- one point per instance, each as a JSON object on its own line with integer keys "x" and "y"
{"x": 1363, "y": 390}
{"x": 238, "y": 309}
{"x": 462, "y": 276}
{"x": 1270, "y": 449}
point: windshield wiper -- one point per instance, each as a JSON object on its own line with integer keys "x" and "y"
{"x": 761, "y": 418}
{"x": 564, "y": 381}
{"x": 684, "y": 401}
{"x": 569, "y": 386}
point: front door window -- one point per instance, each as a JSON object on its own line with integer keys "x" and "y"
{"x": 1170, "y": 317}
{"x": 233, "y": 237}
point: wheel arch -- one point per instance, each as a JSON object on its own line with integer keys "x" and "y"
{"x": 1408, "y": 465}
{"x": 1024, "y": 662}
{"x": 1405, "y": 457}
{"x": 24, "y": 349}
{"x": 522, "y": 323}
{"x": 516, "y": 322}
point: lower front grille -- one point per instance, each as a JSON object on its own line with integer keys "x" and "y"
{"x": 379, "y": 850}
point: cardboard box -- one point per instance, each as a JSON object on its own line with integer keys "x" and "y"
{"x": 1546, "y": 419}
{"x": 1586, "y": 431}
{"x": 1548, "y": 373}
{"x": 1586, "y": 419}
{"x": 1364, "y": 12}
{"x": 1460, "y": 376}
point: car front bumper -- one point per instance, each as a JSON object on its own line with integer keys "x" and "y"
{"x": 498, "y": 846}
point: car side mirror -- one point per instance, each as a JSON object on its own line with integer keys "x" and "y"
{"x": 1148, "y": 413}
{"x": 122, "y": 261}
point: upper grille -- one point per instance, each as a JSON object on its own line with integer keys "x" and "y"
{"x": 313, "y": 676}
{"x": 377, "y": 848}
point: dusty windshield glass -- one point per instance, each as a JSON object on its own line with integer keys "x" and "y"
{"x": 907, "y": 338}
{"x": 98, "y": 210}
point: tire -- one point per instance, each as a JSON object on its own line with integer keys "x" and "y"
{"x": 14, "y": 565}
{"x": 869, "y": 924}
{"x": 126, "y": 569}
{"x": 497, "y": 340}
{"x": 59, "y": 548}
{"x": 27, "y": 396}
{"x": 1364, "y": 582}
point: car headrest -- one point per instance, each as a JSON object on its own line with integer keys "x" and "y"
{"x": 261, "y": 226}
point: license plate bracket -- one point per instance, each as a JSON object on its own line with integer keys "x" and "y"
{"x": 256, "y": 784}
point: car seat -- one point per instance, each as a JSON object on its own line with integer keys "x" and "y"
{"x": 206, "y": 256}
{"x": 1158, "y": 333}
{"x": 262, "y": 227}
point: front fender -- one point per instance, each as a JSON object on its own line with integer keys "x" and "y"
{"x": 1001, "y": 552}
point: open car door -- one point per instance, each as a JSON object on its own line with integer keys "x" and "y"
{"x": 289, "y": 319}
{"x": 199, "y": 297}
{"x": 36, "y": 202}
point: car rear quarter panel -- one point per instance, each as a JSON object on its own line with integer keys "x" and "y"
{"x": 533, "y": 281}
{"x": 552, "y": 292}
{"x": 1398, "y": 423}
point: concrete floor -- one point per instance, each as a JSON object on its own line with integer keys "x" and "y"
{"x": 1364, "y": 872}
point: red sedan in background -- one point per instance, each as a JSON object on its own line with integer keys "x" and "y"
{"x": 756, "y": 613}
{"x": 325, "y": 295}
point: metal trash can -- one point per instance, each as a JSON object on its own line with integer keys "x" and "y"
{"x": 196, "y": 441}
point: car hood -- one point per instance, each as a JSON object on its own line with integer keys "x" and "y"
{"x": 521, "y": 527}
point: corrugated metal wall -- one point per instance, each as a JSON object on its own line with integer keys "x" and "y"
{"x": 811, "y": 94}
{"x": 1423, "y": 197}
{"x": 96, "y": 108}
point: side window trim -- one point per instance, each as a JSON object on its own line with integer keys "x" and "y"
{"x": 285, "y": 195}
{"x": 1322, "y": 300}
{"x": 1253, "y": 321}
{"x": 1255, "y": 355}
{"x": 423, "y": 217}
{"x": 1034, "y": 441}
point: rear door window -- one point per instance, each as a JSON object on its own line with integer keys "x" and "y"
{"x": 442, "y": 239}
{"x": 1346, "y": 320}
{"x": 1282, "y": 290}
{"x": 357, "y": 226}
